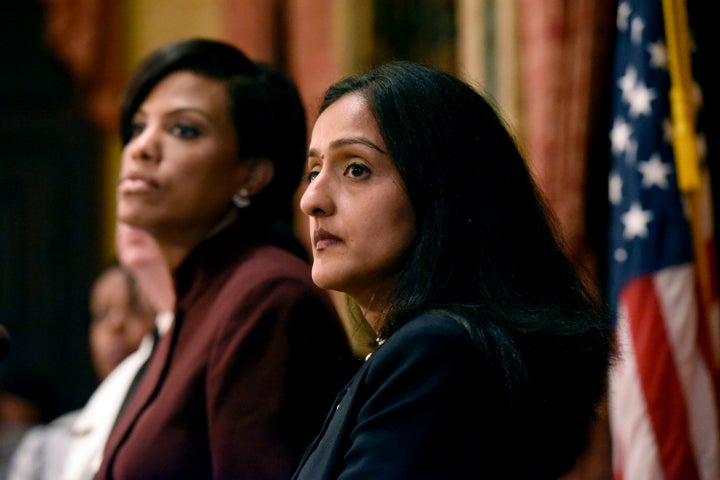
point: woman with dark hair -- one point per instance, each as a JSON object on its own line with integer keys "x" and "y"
{"x": 492, "y": 353}
{"x": 213, "y": 150}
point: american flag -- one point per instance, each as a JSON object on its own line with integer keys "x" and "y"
{"x": 663, "y": 397}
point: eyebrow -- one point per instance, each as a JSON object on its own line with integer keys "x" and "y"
{"x": 348, "y": 141}
{"x": 181, "y": 110}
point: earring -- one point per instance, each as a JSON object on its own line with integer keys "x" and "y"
{"x": 240, "y": 199}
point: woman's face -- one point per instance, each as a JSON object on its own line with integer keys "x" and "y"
{"x": 140, "y": 254}
{"x": 361, "y": 219}
{"x": 180, "y": 168}
{"x": 135, "y": 248}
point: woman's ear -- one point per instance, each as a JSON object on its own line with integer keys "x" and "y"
{"x": 260, "y": 174}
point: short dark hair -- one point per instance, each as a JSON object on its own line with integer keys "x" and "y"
{"x": 265, "y": 107}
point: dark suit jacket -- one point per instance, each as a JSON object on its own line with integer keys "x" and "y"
{"x": 423, "y": 406}
{"x": 239, "y": 386}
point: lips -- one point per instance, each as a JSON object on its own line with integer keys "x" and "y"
{"x": 323, "y": 239}
{"x": 136, "y": 183}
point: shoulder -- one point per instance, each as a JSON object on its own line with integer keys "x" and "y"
{"x": 431, "y": 330}
{"x": 271, "y": 257}
{"x": 272, "y": 278}
{"x": 249, "y": 277}
{"x": 42, "y": 441}
{"x": 272, "y": 285}
{"x": 63, "y": 422}
{"x": 267, "y": 264}
{"x": 432, "y": 341}
{"x": 222, "y": 266}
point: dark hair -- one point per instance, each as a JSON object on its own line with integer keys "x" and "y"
{"x": 486, "y": 249}
{"x": 265, "y": 108}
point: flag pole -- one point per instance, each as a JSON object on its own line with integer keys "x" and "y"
{"x": 683, "y": 137}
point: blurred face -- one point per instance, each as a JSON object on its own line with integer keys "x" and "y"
{"x": 139, "y": 253}
{"x": 361, "y": 219}
{"x": 117, "y": 321}
{"x": 181, "y": 167}
{"x": 136, "y": 248}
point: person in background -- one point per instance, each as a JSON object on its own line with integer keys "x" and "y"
{"x": 492, "y": 353}
{"x": 138, "y": 252}
{"x": 213, "y": 151}
{"x": 27, "y": 400}
{"x": 10, "y": 432}
{"x": 125, "y": 300}
{"x": 120, "y": 316}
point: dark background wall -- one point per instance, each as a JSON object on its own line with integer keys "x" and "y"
{"x": 49, "y": 215}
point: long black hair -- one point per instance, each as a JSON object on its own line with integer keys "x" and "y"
{"x": 266, "y": 111}
{"x": 487, "y": 251}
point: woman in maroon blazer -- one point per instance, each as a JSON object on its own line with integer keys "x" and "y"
{"x": 213, "y": 151}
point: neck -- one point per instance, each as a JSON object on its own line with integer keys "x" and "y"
{"x": 176, "y": 249}
{"x": 372, "y": 311}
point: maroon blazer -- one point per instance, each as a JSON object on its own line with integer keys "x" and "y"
{"x": 240, "y": 385}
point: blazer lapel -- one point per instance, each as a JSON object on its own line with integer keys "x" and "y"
{"x": 146, "y": 389}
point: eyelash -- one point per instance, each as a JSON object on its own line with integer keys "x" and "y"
{"x": 310, "y": 176}
{"x": 136, "y": 128}
{"x": 183, "y": 131}
{"x": 187, "y": 132}
{"x": 357, "y": 166}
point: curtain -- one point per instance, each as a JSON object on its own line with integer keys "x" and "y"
{"x": 564, "y": 48}
{"x": 87, "y": 36}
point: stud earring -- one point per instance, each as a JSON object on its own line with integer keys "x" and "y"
{"x": 240, "y": 199}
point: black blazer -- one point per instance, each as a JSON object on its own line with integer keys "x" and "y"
{"x": 419, "y": 408}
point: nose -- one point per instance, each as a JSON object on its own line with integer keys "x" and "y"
{"x": 118, "y": 319}
{"x": 316, "y": 200}
{"x": 113, "y": 321}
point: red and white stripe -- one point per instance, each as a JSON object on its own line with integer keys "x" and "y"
{"x": 663, "y": 402}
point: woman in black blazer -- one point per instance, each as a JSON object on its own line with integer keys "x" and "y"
{"x": 492, "y": 353}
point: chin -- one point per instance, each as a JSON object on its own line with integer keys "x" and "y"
{"x": 134, "y": 217}
{"x": 319, "y": 280}
{"x": 125, "y": 213}
{"x": 325, "y": 280}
